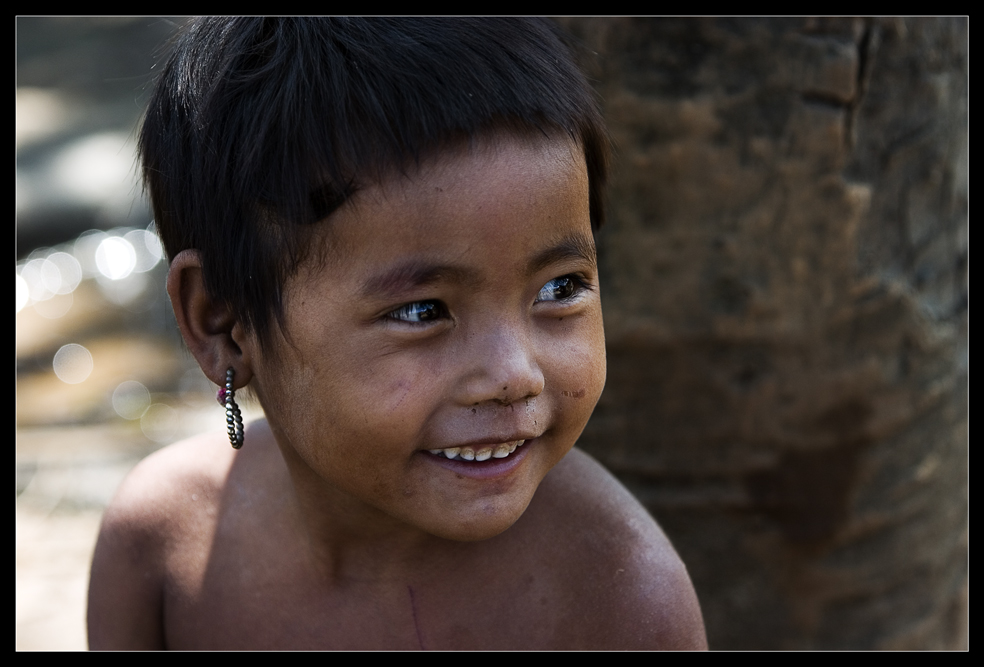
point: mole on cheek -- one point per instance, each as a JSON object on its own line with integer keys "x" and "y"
{"x": 574, "y": 394}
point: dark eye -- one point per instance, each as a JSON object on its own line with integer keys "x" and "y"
{"x": 418, "y": 311}
{"x": 559, "y": 289}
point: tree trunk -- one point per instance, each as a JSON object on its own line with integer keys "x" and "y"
{"x": 784, "y": 278}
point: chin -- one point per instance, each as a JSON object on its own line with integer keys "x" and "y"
{"x": 488, "y": 524}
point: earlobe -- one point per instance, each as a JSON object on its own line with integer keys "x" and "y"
{"x": 210, "y": 329}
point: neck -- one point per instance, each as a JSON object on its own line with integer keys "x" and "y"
{"x": 349, "y": 539}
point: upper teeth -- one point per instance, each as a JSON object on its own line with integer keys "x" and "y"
{"x": 480, "y": 453}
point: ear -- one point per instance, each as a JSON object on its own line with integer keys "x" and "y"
{"x": 210, "y": 329}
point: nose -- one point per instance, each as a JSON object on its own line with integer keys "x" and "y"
{"x": 501, "y": 368}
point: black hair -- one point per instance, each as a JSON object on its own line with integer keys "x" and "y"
{"x": 259, "y": 127}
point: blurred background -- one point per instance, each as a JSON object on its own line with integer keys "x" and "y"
{"x": 102, "y": 378}
{"x": 785, "y": 285}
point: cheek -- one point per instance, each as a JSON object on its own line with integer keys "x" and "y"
{"x": 581, "y": 368}
{"x": 312, "y": 402}
{"x": 294, "y": 404}
{"x": 400, "y": 392}
{"x": 398, "y": 397}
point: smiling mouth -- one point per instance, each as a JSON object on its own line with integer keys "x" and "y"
{"x": 479, "y": 452}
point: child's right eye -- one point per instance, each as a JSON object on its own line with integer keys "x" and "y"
{"x": 418, "y": 311}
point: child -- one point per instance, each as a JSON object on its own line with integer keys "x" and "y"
{"x": 385, "y": 229}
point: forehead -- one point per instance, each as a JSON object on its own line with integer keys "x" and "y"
{"x": 536, "y": 187}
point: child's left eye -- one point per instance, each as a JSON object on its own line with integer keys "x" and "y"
{"x": 560, "y": 289}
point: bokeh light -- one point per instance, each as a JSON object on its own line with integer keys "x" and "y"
{"x": 72, "y": 363}
{"x": 31, "y": 273}
{"x": 125, "y": 291}
{"x": 61, "y": 273}
{"x": 115, "y": 258}
{"x": 84, "y": 250}
{"x": 23, "y": 293}
{"x": 131, "y": 400}
{"x": 94, "y": 166}
{"x": 146, "y": 247}
{"x": 159, "y": 422}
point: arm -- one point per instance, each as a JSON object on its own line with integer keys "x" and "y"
{"x": 634, "y": 592}
{"x": 656, "y": 606}
{"x": 125, "y": 585}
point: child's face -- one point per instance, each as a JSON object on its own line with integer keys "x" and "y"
{"x": 458, "y": 308}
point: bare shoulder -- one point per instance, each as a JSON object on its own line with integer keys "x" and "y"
{"x": 169, "y": 489}
{"x": 631, "y": 590}
{"x": 166, "y": 497}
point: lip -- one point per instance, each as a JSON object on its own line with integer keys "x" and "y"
{"x": 489, "y": 469}
{"x": 516, "y": 437}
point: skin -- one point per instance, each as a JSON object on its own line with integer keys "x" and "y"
{"x": 458, "y": 306}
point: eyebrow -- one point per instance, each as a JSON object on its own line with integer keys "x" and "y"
{"x": 574, "y": 246}
{"x": 413, "y": 274}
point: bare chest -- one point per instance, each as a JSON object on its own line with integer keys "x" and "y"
{"x": 265, "y": 594}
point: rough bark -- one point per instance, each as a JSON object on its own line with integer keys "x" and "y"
{"x": 785, "y": 291}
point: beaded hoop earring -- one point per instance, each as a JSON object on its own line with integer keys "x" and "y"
{"x": 234, "y": 418}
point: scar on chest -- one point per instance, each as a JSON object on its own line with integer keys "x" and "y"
{"x": 574, "y": 394}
